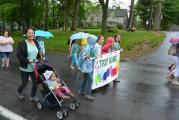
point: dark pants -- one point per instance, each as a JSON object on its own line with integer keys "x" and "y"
{"x": 25, "y": 79}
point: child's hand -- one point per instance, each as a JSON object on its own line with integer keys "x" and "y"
{"x": 121, "y": 50}
{"x": 87, "y": 56}
{"x": 30, "y": 61}
{"x": 57, "y": 86}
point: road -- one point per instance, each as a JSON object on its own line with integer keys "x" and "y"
{"x": 142, "y": 94}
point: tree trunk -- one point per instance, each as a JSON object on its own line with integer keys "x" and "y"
{"x": 22, "y": 13}
{"x": 104, "y": 6}
{"x": 53, "y": 13}
{"x": 46, "y": 15}
{"x": 65, "y": 21}
{"x": 57, "y": 17}
{"x": 129, "y": 25}
{"x": 151, "y": 15}
{"x": 157, "y": 17}
{"x": 3, "y": 21}
{"x": 11, "y": 27}
{"x": 75, "y": 15}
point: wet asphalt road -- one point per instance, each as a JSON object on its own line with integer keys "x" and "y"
{"x": 142, "y": 94}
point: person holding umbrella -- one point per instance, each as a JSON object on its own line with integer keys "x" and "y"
{"x": 74, "y": 54}
{"x": 41, "y": 45}
{"x": 40, "y": 34}
{"x": 86, "y": 69}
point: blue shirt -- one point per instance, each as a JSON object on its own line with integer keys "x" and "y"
{"x": 116, "y": 46}
{"x": 41, "y": 46}
{"x": 75, "y": 48}
{"x": 32, "y": 52}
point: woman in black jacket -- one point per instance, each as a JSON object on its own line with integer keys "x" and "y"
{"x": 27, "y": 51}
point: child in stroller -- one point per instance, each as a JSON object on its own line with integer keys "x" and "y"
{"x": 173, "y": 74}
{"x": 55, "y": 84}
{"x": 54, "y": 91}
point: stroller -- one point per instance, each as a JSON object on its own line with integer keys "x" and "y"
{"x": 50, "y": 99}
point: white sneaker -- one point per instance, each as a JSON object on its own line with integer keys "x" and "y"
{"x": 89, "y": 97}
{"x": 72, "y": 67}
{"x": 175, "y": 82}
{"x": 35, "y": 99}
{"x": 20, "y": 95}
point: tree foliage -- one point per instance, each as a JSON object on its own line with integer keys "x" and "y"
{"x": 170, "y": 13}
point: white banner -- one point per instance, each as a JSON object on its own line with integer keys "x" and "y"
{"x": 106, "y": 69}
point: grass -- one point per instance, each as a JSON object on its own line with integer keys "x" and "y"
{"x": 129, "y": 40}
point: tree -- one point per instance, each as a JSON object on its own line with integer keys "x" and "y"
{"x": 46, "y": 15}
{"x": 143, "y": 11}
{"x": 129, "y": 25}
{"x": 53, "y": 13}
{"x": 6, "y": 7}
{"x": 151, "y": 15}
{"x": 170, "y": 14}
{"x": 158, "y": 15}
{"x": 75, "y": 15}
{"x": 104, "y": 5}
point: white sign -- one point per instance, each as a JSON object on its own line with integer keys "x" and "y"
{"x": 106, "y": 69}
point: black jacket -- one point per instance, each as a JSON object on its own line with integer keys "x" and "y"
{"x": 22, "y": 53}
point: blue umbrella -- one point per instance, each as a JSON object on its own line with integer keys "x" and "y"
{"x": 79, "y": 35}
{"x": 42, "y": 33}
{"x": 92, "y": 39}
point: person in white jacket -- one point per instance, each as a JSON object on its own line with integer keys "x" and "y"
{"x": 6, "y": 48}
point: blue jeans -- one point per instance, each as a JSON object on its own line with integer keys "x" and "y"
{"x": 86, "y": 84}
{"x": 5, "y": 54}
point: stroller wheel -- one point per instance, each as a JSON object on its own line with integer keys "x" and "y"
{"x": 77, "y": 104}
{"x": 59, "y": 115}
{"x": 39, "y": 105}
{"x": 65, "y": 112}
{"x": 72, "y": 106}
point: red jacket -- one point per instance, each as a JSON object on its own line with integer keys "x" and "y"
{"x": 107, "y": 46}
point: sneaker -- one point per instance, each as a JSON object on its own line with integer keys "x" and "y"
{"x": 20, "y": 95}
{"x": 89, "y": 97}
{"x": 78, "y": 68}
{"x": 169, "y": 78}
{"x": 65, "y": 97}
{"x": 175, "y": 82}
{"x": 3, "y": 68}
{"x": 72, "y": 67}
{"x": 81, "y": 93}
{"x": 35, "y": 99}
{"x": 116, "y": 80}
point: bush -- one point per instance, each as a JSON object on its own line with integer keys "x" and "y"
{"x": 119, "y": 26}
{"x": 113, "y": 29}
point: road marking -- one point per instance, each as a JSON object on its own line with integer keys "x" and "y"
{"x": 9, "y": 114}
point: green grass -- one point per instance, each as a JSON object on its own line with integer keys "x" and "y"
{"x": 129, "y": 39}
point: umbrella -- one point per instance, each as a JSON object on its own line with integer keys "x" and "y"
{"x": 79, "y": 35}
{"x": 92, "y": 39}
{"x": 42, "y": 33}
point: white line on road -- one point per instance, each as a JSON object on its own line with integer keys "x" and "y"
{"x": 9, "y": 114}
